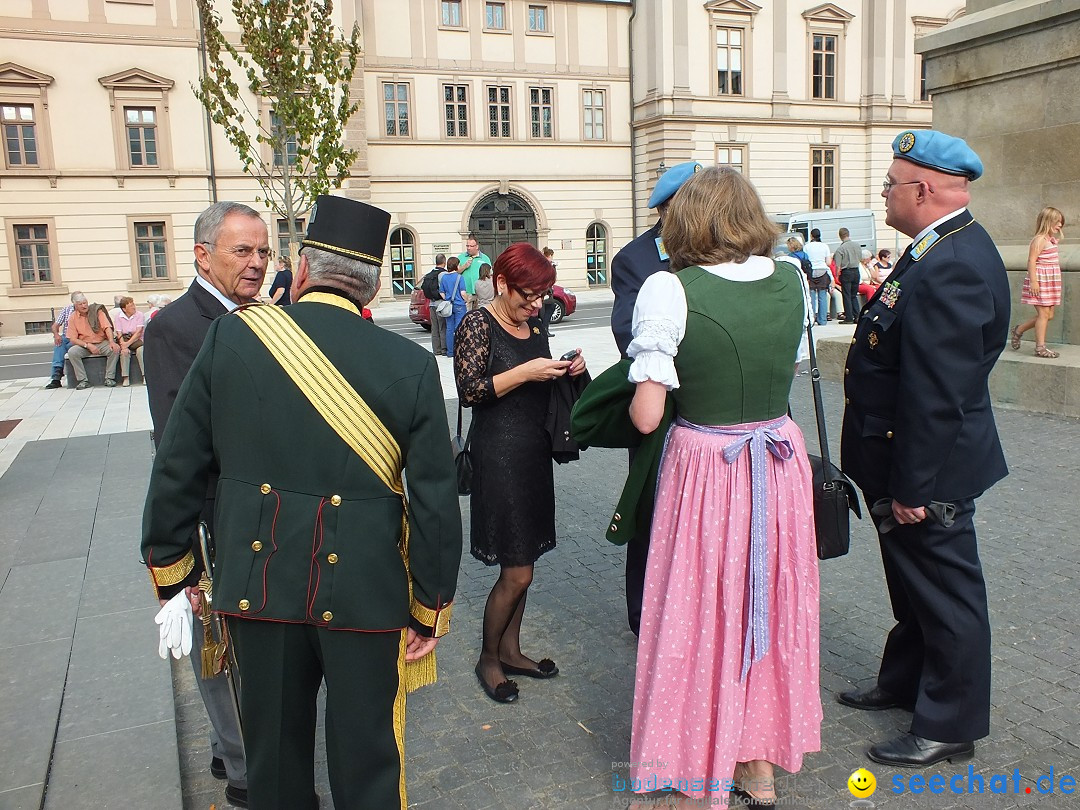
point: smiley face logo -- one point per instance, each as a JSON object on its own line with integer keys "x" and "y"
{"x": 862, "y": 784}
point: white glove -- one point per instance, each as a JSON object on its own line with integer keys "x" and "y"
{"x": 174, "y": 623}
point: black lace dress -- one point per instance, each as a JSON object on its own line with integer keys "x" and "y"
{"x": 513, "y": 491}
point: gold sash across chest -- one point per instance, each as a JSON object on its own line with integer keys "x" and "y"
{"x": 345, "y": 411}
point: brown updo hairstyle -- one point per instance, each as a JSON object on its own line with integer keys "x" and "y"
{"x": 524, "y": 267}
{"x": 717, "y": 217}
{"x": 123, "y": 302}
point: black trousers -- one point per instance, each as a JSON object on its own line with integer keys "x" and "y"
{"x": 937, "y": 657}
{"x": 849, "y": 288}
{"x": 637, "y": 557}
{"x": 281, "y": 668}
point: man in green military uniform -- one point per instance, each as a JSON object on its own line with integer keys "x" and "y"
{"x": 320, "y": 575}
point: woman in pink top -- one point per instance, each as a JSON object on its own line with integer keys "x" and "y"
{"x": 130, "y": 324}
{"x": 1042, "y": 285}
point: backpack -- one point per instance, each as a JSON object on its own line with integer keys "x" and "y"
{"x": 430, "y": 285}
{"x": 804, "y": 261}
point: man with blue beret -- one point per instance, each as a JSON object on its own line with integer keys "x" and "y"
{"x": 919, "y": 439}
{"x": 639, "y": 259}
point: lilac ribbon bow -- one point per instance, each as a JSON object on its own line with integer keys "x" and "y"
{"x": 760, "y": 439}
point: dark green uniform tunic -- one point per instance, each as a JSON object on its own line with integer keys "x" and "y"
{"x": 309, "y": 542}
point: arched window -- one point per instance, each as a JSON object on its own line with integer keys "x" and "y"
{"x": 596, "y": 255}
{"x": 402, "y": 263}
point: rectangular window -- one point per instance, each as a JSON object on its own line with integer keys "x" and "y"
{"x": 37, "y": 327}
{"x": 729, "y": 61}
{"x": 283, "y": 235}
{"x": 593, "y": 114}
{"x": 282, "y": 138}
{"x": 495, "y": 16}
{"x": 540, "y": 111}
{"x": 141, "y": 123}
{"x": 396, "y": 106}
{"x": 498, "y": 112}
{"x": 32, "y": 253}
{"x": 823, "y": 67}
{"x": 451, "y": 13}
{"x": 822, "y": 177}
{"x": 538, "y": 19}
{"x": 20, "y": 138}
{"x": 731, "y": 155}
{"x": 151, "y": 251}
{"x": 456, "y": 107}
{"x": 924, "y": 94}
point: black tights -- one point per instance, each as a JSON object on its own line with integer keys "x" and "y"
{"x": 502, "y": 624}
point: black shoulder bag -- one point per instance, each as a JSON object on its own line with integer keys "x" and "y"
{"x": 834, "y": 493}
{"x": 462, "y": 457}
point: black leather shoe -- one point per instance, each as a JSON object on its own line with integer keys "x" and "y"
{"x": 505, "y": 692}
{"x": 544, "y": 669}
{"x": 912, "y": 751}
{"x": 870, "y": 700}
{"x": 236, "y": 796}
{"x": 217, "y": 768}
{"x": 52, "y": 384}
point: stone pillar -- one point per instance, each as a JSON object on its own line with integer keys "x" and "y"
{"x": 1004, "y": 77}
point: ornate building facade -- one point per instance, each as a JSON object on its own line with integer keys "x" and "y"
{"x": 537, "y": 120}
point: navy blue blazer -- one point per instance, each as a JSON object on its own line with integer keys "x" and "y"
{"x": 918, "y": 425}
{"x": 638, "y": 260}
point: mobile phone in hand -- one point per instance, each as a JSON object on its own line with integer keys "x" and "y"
{"x": 570, "y": 355}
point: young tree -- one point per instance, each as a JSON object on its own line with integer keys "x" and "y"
{"x": 293, "y": 55}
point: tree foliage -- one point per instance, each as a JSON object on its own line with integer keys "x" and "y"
{"x": 291, "y": 54}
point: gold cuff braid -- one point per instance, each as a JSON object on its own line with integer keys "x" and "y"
{"x": 172, "y": 574}
{"x": 439, "y": 621}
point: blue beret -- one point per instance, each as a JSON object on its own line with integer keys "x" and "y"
{"x": 671, "y": 181}
{"x": 936, "y": 150}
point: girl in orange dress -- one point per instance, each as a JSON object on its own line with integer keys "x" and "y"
{"x": 1042, "y": 286}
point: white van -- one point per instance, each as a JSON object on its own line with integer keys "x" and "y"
{"x": 859, "y": 221}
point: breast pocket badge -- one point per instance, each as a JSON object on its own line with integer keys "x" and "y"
{"x": 873, "y": 339}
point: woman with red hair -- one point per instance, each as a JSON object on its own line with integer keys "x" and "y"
{"x": 504, "y": 371}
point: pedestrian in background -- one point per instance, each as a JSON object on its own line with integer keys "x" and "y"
{"x": 280, "y": 290}
{"x": 61, "y": 342}
{"x": 485, "y": 287}
{"x": 727, "y": 665}
{"x": 452, "y": 288}
{"x": 1042, "y": 284}
{"x": 429, "y": 286}
{"x": 130, "y": 324}
{"x": 820, "y": 281}
{"x": 848, "y": 259}
{"x": 919, "y": 439}
{"x": 505, "y": 373}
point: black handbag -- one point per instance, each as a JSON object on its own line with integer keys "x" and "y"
{"x": 834, "y": 494}
{"x": 462, "y": 457}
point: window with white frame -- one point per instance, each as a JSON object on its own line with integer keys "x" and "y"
{"x": 823, "y": 66}
{"x": 33, "y": 251}
{"x": 20, "y": 135}
{"x": 456, "y": 110}
{"x": 402, "y": 261}
{"x": 284, "y": 141}
{"x": 538, "y": 18}
{"x": 498, "y": 112}
{"x": 283, "y": 235}
{"x": 396, "y": 108}
{"x": 151, "y": 251}
{"x": 593, "y": 106}
{"x": 732, "y": 155}
{"x": 142, "y": 140}
{"x": 541, "y": 112}
{"x": 823, "y": 185}
{"x": 729, "y": 61}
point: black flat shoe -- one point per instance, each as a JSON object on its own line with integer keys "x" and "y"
{"x": 544, "y": 669}
{"x": 912, "y": 751}
{"x": 874, "y": 699}
{"x": 505, "y": 692}
{"x": 236, "y": 796}
{"x": 217, "y": 768}
{"x": 749, "y": 800}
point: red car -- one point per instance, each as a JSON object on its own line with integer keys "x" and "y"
{"x": 420, "y": 311}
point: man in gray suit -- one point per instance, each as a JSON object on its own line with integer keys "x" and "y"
{"x": 231, "y": 256}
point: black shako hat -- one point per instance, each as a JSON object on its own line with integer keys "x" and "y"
{"x": 349, "y": 228}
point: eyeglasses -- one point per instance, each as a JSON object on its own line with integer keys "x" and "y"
{"x": 528, "y": 296}
{"x": 888, "y": 184}
{"x": 244, "y": 251}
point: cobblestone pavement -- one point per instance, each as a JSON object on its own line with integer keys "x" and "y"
{"x": 562, "y": 745}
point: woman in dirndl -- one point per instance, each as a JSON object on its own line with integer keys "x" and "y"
{"x": 727, "y": 666}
